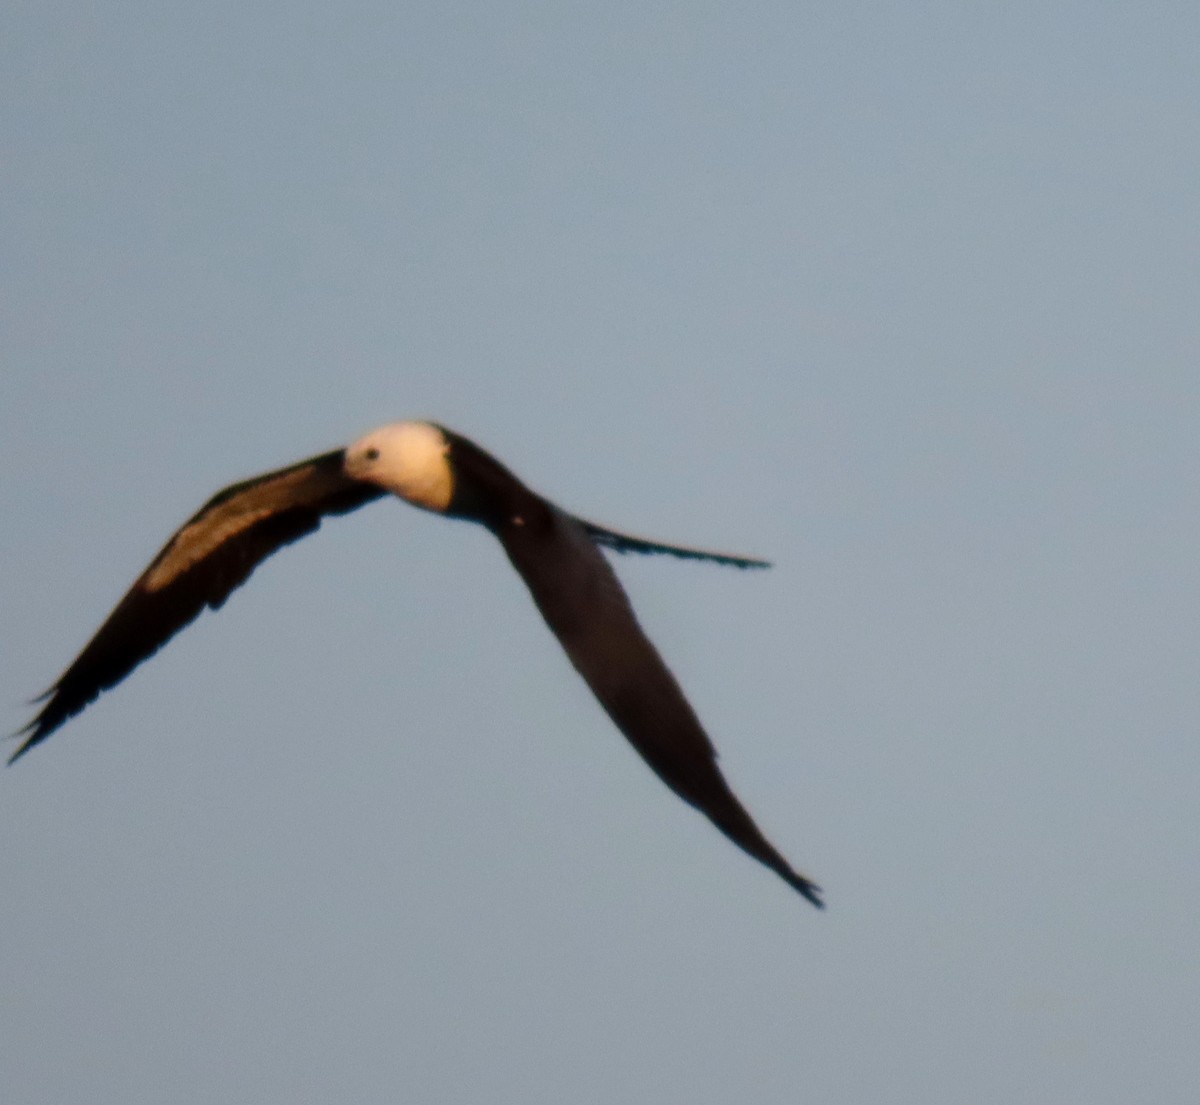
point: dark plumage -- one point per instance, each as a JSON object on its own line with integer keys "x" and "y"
{"x": 556, "y": 554}
{"x": 253, "y": 520}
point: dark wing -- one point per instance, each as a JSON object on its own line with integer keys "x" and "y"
{"x": 213, "y": 553}
{"x": 578, "y": 594}
{"x": 623, "y": 543}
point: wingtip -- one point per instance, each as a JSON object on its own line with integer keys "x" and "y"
{"x": 26, "y": 744}
{"x": 32, "y": 732}
{"x": 29, "y": 735}
{"x": 807, "y": 889}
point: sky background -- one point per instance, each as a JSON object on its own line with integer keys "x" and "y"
{"x": 902, "y": 296}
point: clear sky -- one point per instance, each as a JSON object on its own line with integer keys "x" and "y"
{"x": 902, "y": 296}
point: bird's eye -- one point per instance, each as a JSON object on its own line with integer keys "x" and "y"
{"x": 372, "y": 454}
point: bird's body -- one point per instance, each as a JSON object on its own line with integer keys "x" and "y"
{"x": 556, "y": 554}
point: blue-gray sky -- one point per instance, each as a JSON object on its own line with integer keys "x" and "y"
{"x": 902, "y": 296}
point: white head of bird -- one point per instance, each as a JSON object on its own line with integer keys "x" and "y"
{"x": 409, "y": 459}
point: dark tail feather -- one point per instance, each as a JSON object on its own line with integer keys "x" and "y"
{"x": 624, "y": 543}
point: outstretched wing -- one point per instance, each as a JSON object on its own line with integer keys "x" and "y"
{"x": 211, "y": 555}
{"x": 585, "y": 606}
{"x": 623, "y": 543}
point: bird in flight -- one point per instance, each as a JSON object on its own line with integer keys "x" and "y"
{"x": 556, "y": 554}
